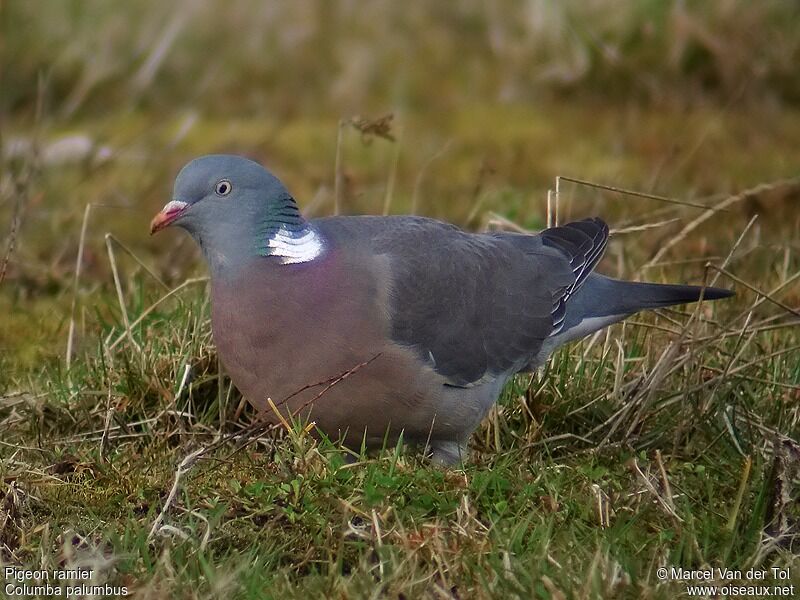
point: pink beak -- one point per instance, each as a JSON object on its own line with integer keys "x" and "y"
{"x": 171, "y": 211}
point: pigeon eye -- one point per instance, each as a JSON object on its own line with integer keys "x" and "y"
{"x": 223, "y": 187}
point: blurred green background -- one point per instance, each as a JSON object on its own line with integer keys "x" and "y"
{"x": 465, "y": 111}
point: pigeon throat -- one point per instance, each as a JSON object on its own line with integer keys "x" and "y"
{"x": 286, "y": 235}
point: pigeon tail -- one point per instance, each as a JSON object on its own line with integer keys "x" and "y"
{"x": 642, "y": 296}
{"x": 602, "y": 296}
{"x": 602, "y": 301}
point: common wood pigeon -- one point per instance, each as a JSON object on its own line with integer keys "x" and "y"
{"x": 441, "y": 317}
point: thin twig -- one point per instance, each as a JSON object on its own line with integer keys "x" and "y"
{"x": 619, "y": 190}
{"x": 557, "y": 198}
{"x": 329, "y": 382}
{"x": 160, "y": 48}
{"x": 752, "y": 288}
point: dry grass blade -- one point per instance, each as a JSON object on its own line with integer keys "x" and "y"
{"x": 139, "y": 261}
{"x": 766, "y": 297}
{"x": 421, "y": 175}
{"x": 645, "y": 227}
{"x": 338, "y": 174}
{"x": 733, "y": 249}
{"x": 665, "y": 480}
{"x": 12, "y": 238}
{"x": 387, "y": 201}
{"x": 11, "y": 531}
{"x": 619, "y": 190}
{"x": 161, "y": 47}
{"x": 753, "y": 288}
{"x": 78, "y": 264}
{"x": 634, "y": 465}
{"x": 23, "y": 180}
{"x": 21, "y": 192}
{"x": 183, "y": 468}
{"x": 748, "y": 462}
{"x": 110, "y": 410}
{"x": 155, "y": 305}
{"x": 711, "y": 211}
{"x": 120, "y": 294}
{"x": 741, "y": 346}
{"x": 495, "y": 222}
{"x": 757, "y": 327}
{"x": 648, "y": 391}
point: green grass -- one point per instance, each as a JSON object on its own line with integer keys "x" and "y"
{"x": 626, "y": 453}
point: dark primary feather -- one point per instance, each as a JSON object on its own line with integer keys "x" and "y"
{"x": 583, "y": 242}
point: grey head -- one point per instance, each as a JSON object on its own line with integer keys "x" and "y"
{"x": 237, "y": 211}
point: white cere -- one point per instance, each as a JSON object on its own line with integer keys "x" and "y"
{"x": 174, "y": 206}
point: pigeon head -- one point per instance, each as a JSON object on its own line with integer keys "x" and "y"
{"x": 237, "y": 211}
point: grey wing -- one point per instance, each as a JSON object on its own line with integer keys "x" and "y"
{"x": 478, "y": 306}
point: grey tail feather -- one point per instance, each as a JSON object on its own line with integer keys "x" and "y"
{"x": 642, "y": 296}
{"x": 603, "y": 296}
{"x": 602, "y": 301}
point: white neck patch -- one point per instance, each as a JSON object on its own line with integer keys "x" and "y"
{"x": 302, "y": 247}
